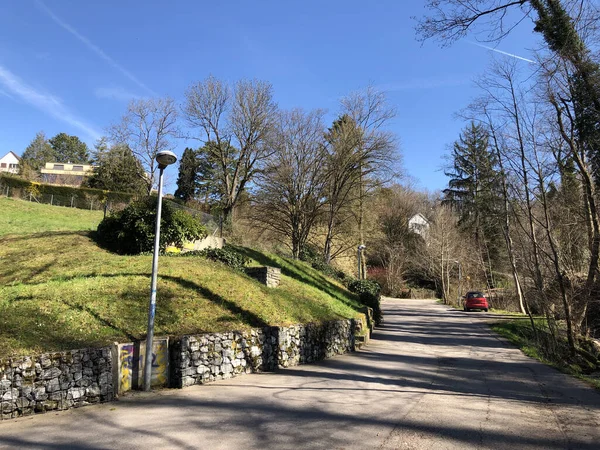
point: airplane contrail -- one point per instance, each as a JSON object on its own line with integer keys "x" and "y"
{"x": 45, "y": 102}
{"x": 93, "y": 47}
{"x": 502, "y": 52}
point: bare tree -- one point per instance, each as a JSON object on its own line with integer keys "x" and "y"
{"x": 442, "y": 250}
{"x": 375, "y": 149}
{"x": 289, "y": 199}
{"x": 393, "y": 242}
{"x": 236, "y": 122}
{"x": 148, "y": 127}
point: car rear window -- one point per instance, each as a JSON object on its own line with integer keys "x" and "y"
{"x": 474, "y": 295}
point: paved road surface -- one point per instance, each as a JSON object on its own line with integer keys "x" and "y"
{"x": 432, "y": 378}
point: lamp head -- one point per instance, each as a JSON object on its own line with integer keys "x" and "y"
{"x": 165, "y": 158}
{"x": 362, "y": 246}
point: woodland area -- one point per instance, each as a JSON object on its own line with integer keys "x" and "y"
{"x": 525, "y": 172}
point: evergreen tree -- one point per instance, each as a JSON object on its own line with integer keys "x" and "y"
{"x": 474, "y": 192}
{"x": 38, "y": 153}
{"x": 473, "y": 177}
{"x": 210, "y": 189}
{"x": 187, "y": 180}
{"x": 116, "y": 169}
{"x": 69, "y": 149}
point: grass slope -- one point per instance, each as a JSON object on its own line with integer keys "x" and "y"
{"x": 58, "y": 290}
{"x": 23, "y": 217}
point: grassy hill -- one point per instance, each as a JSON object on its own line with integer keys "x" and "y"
{"x": 59, "y": 290}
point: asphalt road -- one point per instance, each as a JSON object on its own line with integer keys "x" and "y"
{"x": 432, "y": 378}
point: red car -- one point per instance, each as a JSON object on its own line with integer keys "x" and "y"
{"x": 475, "y": 300}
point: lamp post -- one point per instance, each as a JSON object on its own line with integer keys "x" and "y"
{"x": 164, "y": 159}
{"x": 360, "y": 249}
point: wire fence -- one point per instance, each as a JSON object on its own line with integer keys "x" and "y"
{"x": 80, "y": 201}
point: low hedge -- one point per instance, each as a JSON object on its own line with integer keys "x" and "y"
{"x": 35, "y": 187}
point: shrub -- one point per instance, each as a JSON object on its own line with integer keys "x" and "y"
{"x": 131, "y": 231}
{"x": 228, "y": 255}
{"x": 369, "y": 292}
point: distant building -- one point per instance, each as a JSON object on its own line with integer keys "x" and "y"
{"x": 10, "y": 163}
{"x": 418, "y": 224}
{"x": 66, "y": 173}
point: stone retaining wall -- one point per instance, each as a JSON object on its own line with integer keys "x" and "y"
{"x": 63, "y": 380}
{"x": 215, "y": 356}
{"x": 55, "y": 381}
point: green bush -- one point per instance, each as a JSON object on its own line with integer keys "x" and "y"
{"x": 369, "y": 292}
{"x": 228, "y": 255}
{"x": 131, "y": 231}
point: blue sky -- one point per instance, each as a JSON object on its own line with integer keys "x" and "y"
{"x": 72, "y": 66}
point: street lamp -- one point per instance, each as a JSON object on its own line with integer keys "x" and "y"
{"x": 360, "y": 249}
{"x": 164, "y": 159}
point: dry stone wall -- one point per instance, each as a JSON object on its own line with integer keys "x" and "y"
{"x": 55, "y": 381}
{"x": 215, "y": 356}
{"x": 63, "y": 380}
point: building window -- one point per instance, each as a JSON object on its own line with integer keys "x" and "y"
{"x": 2, "y": 165}
{"x": 13, "y": 166}
{"x": 59, "y": 167}
{"x": 77, "y": 168}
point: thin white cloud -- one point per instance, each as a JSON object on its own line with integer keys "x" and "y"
{"x": 89, "y": 44}
{"x": 115, "y": 93}
{"x": 501, "y": 52}
{"x": 46, "y": 103}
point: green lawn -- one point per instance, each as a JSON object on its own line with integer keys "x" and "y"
{"x": 59, "y": 290}
{"x": 23, "y": 217}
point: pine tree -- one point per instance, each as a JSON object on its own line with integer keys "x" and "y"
{"x": 38, "y": 153}
{"x": 116, "y": 169}
{"x": 187, "y": 180}
{"x": 69, "y": 149}
{"x": 474, "y": 192}
{"x": 473, "y": 177}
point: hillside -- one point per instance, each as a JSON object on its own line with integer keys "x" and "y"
{"x": 59, "y": 290}
{"x": 23, "y": 217}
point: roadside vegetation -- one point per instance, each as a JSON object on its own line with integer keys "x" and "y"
{"x": 543, "y": 347}
{"x": 520, "y": 213}
{"x": 59, "y": 290}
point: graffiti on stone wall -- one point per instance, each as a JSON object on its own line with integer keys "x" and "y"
{"x": 126, "y": 365}
{"x": 131, "y": 365}
{"x": 160, "y": 363}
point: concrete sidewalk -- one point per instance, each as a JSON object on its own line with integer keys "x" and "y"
{"x": 432, "y": 378}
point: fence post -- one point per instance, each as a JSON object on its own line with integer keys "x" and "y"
{"x": 91, "y": 204}
{"x": 72, "y": 196}
{"x": 51, "y": 199}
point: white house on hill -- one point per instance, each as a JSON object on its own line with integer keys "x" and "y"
{"x": 10, "y": 163}
{"x": 418, "y": 224}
